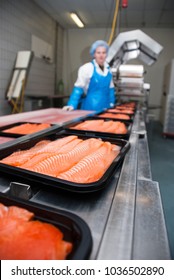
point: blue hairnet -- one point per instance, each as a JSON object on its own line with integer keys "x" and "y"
{"x": 97, "y": 44}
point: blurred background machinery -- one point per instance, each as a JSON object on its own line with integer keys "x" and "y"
{"x": 129, "y": 79}
{"x": 167, "y": 112}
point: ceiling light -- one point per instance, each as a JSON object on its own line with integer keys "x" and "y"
{"x": 77, "y": 20}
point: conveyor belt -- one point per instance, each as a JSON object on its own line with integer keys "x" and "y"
{"x": 126, "y": 218}
{"x": 150, "y": 237}
{"x": 136, "y": 227}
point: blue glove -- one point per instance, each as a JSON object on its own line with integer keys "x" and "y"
{"x": 112, "y": 97}
{"x": 75, "y": 97}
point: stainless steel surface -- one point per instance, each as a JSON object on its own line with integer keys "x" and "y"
{"x": 94, "y": 208}
{"x": 150, "y": 237}
{"x": 117, "y": 239}
{"x": 144, "y": 170}
{"x": 144, "y": 165}
{"x": 133, "y": 42}
{"x": 121, "y": 240}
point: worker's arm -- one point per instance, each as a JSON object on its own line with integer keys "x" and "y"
{"x": 80, "y": 86}
{"x": 112, "y": 97}
{"x": 75, "y": 97}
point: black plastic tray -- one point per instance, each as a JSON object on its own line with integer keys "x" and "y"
{"x": 126, "y": 103}
{"x": 114, "y": 119}
{"x": 51, "y": 183}
{"x": 16, "y": 135}
{"x": 74, "y": 228}
{"x": 129, "y": 114}
{"x": 92, "y": 133}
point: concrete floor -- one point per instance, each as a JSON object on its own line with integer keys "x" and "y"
{"x": 162, "y": 165}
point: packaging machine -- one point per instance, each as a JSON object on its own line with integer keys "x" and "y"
{"x": 129, "y": 79}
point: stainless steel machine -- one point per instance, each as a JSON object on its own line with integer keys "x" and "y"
{"x": 131, "y": 45}
{"x": 129, "y": 79}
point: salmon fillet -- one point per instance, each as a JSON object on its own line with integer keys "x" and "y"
{"x": 27, "y": 128}
{"x": 64, "y": 158}
{"x": 124, "y": 107}
{"x": 89, "y": 123}
{"x": 20, "y": 157}
{"x": 56, "y": 145}
{"x": 15, "y": 212}
{"x": 61, "y": 162}
{"x": 92, "y": 167}
{"x": 121, "y": 110}
{"x": 45, "y": 146}
{"x": 40, "y": 157}
{"x": 24, "y": 239}
{"x": 115, "y": 116}
{"x": 103, "y": 126}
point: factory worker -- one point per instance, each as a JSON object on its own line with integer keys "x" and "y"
{"x": 94, "y": 88}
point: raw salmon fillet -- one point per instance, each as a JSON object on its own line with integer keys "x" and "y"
{"x": 130, "y": 105}
{"x": 70, "y": 154}
{"x": 15, "y": 213}
{"x": 45, "y": 146}
{"x": 102, "y": 126}
{"x": 121, "y": 110}
{"x": 42, "y": 156}
{"x": 27, "y": 128}
{"x": 24, "y": 239}
{"x": 115, "y": 116}
{"x": 56, "y": 145}
{"x": 20, "y": 157}
{"x": 54, "y": 165}
{"x": 92, "y": 167}
{"x": 89, "y": 123}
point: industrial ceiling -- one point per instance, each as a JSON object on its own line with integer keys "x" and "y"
{"x": 99, "y": 13}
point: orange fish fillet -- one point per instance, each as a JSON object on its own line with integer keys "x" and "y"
{"x": 20, "y": 157}
{"x": 121, "y": 110}
{"x": 27, "y": 128}
{"x": 89, "y": 123}
{"x": 40, "y": 157}
{"x": 115, "y": 116}
{"x": 45, "y": 146}
{"x": 61, "y": 162}
{"x": 24, "y": 239}
{"x": 15, "y": 212}
{"x": 103, "y": 126}
{"x": 56, "y": 145}
{"x": 92, "y": 167}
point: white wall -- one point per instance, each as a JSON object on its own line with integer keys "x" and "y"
{"x": 77, "y": 43}
{"x": 76, "y": 52}
{"x": 19, "y": 20}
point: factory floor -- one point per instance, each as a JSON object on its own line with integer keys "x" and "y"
{"x": 162, "y": 165}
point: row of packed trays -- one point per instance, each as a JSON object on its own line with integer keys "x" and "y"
{"x": 72, "y": 162}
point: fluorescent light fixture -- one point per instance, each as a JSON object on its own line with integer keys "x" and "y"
{"x": 77, "y": 20}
